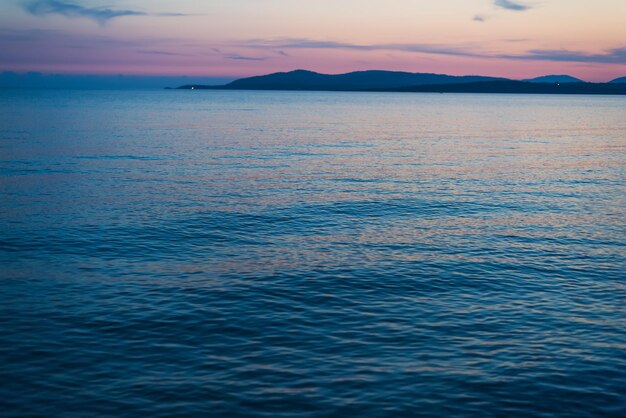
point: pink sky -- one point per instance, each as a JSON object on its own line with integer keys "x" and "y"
{"x": 516, "y": 39}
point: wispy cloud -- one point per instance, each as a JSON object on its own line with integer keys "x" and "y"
{"x": 75, "y": 10}
{"x": 238, "y": 57}
{"x": 34, "y": 43}
{"x": 300, "y": 43}
{"x": 235, "y": 56}
{"x": 611, "y": 56}
{"x": 511, "y": 5}
{"x": 157, "y": 52}
{"x": 436, "y": 49}
{"x": 99, "y": 14}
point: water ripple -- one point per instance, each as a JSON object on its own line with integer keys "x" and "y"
{"x": 274, "y": 255}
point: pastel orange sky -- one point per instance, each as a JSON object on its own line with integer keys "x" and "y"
{"x": 234, "y": 38}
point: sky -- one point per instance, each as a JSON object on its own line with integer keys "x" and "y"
{"x": 228, "y": 39}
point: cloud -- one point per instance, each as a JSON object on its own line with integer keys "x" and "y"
{"x": 100, "y": 14}
{"x": 32, "y": 44}
{"x": 169, "y": 14}
{"x": 280, "y": 44}
{"x": 238, "y": 57}
{"x": 157, "y": 52}
{"x": 479, "y": 18}
{"x": 511, "y": 5}
{"x": 611, "y": 56}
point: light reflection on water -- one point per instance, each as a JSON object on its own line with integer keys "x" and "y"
{"x": 312, "y": 254}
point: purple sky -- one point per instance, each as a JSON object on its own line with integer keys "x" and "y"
{"x": 234, "y": 38}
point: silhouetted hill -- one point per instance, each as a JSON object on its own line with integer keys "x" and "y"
{"x": 619, "y": 80}
{"x": 521, "y": 87}
{"x": 360, "y": 80}
{"x": 394, "y": 81}
{"x": 555, "y": 79}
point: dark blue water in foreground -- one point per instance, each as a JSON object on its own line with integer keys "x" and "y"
{"x": 185, "y": 254}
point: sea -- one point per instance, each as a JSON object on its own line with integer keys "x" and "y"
{"x": 311, "y": 254}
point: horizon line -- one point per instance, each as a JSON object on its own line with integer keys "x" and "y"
{"x": 235, "y": 77}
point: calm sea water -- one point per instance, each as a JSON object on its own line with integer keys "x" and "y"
{"x": 277, "y": 254}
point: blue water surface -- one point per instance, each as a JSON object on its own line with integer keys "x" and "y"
{"x": 302, "y": 254}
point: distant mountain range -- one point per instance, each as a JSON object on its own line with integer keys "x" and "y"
{"x": 303, "y": 80}
{"x": 619, "y": 80}
{"x": 360, "y": 80}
